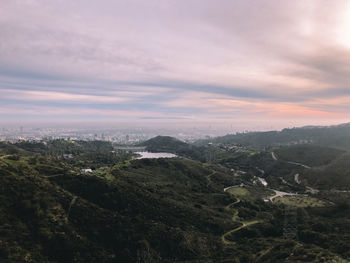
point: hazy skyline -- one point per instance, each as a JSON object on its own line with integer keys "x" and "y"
{"x": 262, "y": 63}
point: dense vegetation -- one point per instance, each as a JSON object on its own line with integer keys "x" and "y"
{"x": 168, "y": 210}
{"x": 332, "y": 136}
{"x": 311, "y": 155}
{"x": 335, "y": 175}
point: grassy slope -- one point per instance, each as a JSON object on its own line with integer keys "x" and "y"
{"x": 310, "y": 155}
{"x": 334, "y": 175}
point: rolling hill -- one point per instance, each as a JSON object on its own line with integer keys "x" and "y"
{"x": 337, "y": 136}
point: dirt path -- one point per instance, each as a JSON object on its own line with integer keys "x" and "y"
{"x": 279, "y": 194}
{"x": 274, "y": 157}
{"x": 300, "y": 164}
{"x": 5, "y": 156}
{"x": 51, "y": 176}
{"x": 235, "y": 218}
{"x": 70, "y": 206}
{"x": 209, "y": 178}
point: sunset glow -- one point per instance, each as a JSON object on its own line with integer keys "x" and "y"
{"x": 190, "y": 61}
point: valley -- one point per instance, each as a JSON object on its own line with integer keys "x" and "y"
{"x": 207, "y": 203}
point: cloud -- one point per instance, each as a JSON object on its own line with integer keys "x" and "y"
{"x": 49, "y": 96}
{"x": 177, "y": 59}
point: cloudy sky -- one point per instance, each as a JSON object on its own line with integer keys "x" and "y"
{"x": 261, "y": 63}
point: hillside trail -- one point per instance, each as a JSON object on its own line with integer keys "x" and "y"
{"x": 208, "y": 177}
{"x": 235, "y": 218}
{"x": 74, "y": 199}
{"x": 275, "y": 158}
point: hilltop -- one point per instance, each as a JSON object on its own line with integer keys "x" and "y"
{"x": 164, "y": 144}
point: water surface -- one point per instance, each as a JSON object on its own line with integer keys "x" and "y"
{"x": 151, "y": 155}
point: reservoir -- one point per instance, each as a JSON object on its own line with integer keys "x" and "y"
{"x": 151, "y": 155}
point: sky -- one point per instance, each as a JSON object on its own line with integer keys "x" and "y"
{"x": 257, "y": 64}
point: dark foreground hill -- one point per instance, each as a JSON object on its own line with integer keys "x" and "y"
{"x": 139, "y": 211}
{"x": 153, "y": 210}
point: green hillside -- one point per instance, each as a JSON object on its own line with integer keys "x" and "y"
{"x": 332, "y": 136}
{"x": 334, "y": 175}
{"x": 157, "y": 210}
{"x": 311, "y": 155}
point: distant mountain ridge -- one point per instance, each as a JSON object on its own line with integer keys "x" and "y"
{"x": 336, "y": 136}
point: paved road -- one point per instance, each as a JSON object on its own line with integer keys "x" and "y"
{"x": 300, "y": 164}
{"x": 273, "y": 155}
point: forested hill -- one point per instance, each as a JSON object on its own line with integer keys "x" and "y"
{"x": 331, "y": 136}
{"x": 169, "y": 210}
{"x": 164, "y": 143}
{"x": 55, "y": 147}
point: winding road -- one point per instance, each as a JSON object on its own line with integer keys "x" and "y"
{"x": 300, "y": 164}
{"x": 209, "y": 178}
{"x": 235, "y": 218}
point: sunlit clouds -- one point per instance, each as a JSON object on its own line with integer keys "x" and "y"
{"x": 281, "y": 63}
